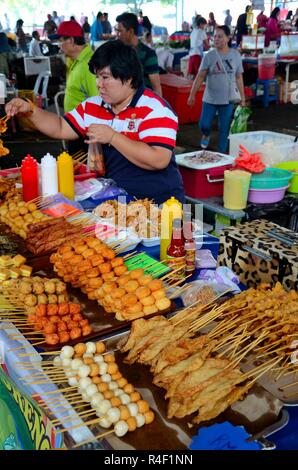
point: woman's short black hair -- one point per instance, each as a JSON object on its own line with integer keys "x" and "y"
{"x": 122, "y": 60}
{"x": 227, "y": 32}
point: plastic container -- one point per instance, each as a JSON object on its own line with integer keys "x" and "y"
{"x": 49, "y": 176}
{"x": 270, "y": 178}
{"x": 293, "y": 167}
{"x": 171, "y": 209}
{"x": 266, "y": 196}
{"x": 273, "y": 146}
{"x": 204, "y": 180}
{"x": 66, "y": 175}
{"x": 236, "y": 187}
{"x": 266, "y": 66}
{"x": 176, "y": 90}
{"x": 30, "y": 179}
{"x": 154, "y": 241}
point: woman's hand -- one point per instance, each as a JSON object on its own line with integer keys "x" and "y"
{"x": 191, "y": 101}
{"x": 242, "y": 103}
{"x": 16, "y": 106}
{"x": 99, "y": 133}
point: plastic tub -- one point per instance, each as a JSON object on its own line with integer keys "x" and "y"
{"x": 266, "y": 196}
{"x": 293, "y": 167}
{"x": 266, "y": 66}
{"x": 273, "y": 146}
{"x": 270, "y": 178}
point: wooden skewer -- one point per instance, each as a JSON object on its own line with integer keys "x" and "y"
{"x": 96, "y": 438}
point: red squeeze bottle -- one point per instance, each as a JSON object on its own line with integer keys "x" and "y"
{"x": 176, "y": 252}
{"x": 29, "y": 173}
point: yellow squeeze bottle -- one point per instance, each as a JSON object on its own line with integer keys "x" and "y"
{"x": 66, "y": 175}
{"x": 171, "y": 209}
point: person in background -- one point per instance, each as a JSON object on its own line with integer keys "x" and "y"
{"x": 21, "y": 36}
{"x": 241, "y": 26}
{"x": 220, "y": 66}
{"x": 56, "y": 18}
{"x": 73, "y": 18}
{"x": 228, "y": 19}
{"x": 145, "y": 25}
{"x": 106, "y": 25}
{"x": 34, "y": 46}
{"x": 198, "y": 42}
{"x": 97, "y": 33}
{"x": 49, "y": 26}
{"x": 138, "y": 146}
{"x": 295, "y": 18}
{"x": 5, "y": 52}
{"x": 165, "y": 59}
{"x": 289, "y": 16}
{"x": 80, "y": 82}
{"x": 127, "y": 30}
{"x": 262, "y": 20}
{"x": 273, "y": 31}
{"x": 211, "y": 22}
{"x": 86, "y": 28}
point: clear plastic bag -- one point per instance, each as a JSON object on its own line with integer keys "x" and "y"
{"x": 239, "y": 122}
{"x": 95, "y": 160}
{"x": 202, "y": 291}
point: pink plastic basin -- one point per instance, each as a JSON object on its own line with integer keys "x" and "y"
{"x": 266, "y": 196}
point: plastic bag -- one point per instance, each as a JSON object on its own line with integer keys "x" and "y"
{"x": 85, "y": 189}
{"x": 251, "y": 162}
{"x": 95, "y": 160}
{"x": 202, "y": 291}
{"x": 239, "y": 122}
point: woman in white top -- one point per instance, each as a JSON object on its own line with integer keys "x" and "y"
{"x": 198, "y": 42}
{"x": 221, "y": 67}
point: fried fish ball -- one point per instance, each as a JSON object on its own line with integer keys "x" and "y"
{"x": 88, "y": 252}
{"x": 123, "y": 280}
{"x": 109, "y": 358}
{"x": 80, "y": 348}
{"x": 64, "y": 336}
{"x": 49, "y": 287}
{"x": 41, "y": 310}
{"x": 94, "y": 370}
{"x": 129, "y": 299}
{"x": 142, "y": 292}
{"x": 75, "y": 259}
{"x": 32, "y": 206}
{"x": 38, "y": 288}
{"x": 109, "y": 276}
{"x": 163, "y": 304}
{"x": 25, "y": 287}
{"x": 92, "y": 242}
{"x": 79, "y": 249}
{"x": 61, "y": 326}
{"x": 143, "y": 406}
{"x": 52, "y": 339}
{"x": 122, "y": 382}
{"x": 50, "y": 328}
{"x": 128, "y": 388}
{"x": 86, "y": 329}
{"x": 100, "y": 347}
{"x": 124, "y": 412}
{"x": 54, "y": 318}
{"x": 118, "y": 261}
{"x": 155, "y": 285}
{"x": 62, "y": 298}
{"x": 102, "y": 387}
{"x": 64, "y": 249}
{"x": 67, "y": 256}
{"x": 112, "y": 368}
{"x": 96, "y": 260}
{"x": 108, "y": 394}
{"x": 134, "y": 309}
{"x": 120, "y": 270}
{"x": 131, "y": 286}
{"x": 60, "y": 287}
{"x": 95, "y": 283}
{"x": 30, "y": 300}
{"x": 115, "y": 401}
{"x": 93, "y": 272}
{"x": 84, "y": 266}
{"x": 108, "y": 287}
{"x": 145, "y": 279}
{"x": 131, "y": 423}
{"x": 149, "y": 416}
{"x": 105, "y": 268}
{"x": 52, "y": 309}
{"x": 146, "y": 301}
{"x": 42, "y": 299}
{"x": 108, "y": 253}
{"x": 29, "y": 218}
{"x": 83, "y": 279}
{"x": 52, "y": 299}
{"x": 159, "y": 294}
{"x": 137, "y": 273}
{"x": 23, "y": 210}
{"x": 75, "y": 333}
{"x": 150, "y": 309}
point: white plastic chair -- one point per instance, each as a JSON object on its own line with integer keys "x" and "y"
{"x": 42, "y": 80}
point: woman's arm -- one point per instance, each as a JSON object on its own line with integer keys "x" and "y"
{"x": 155, "y": 82}
{"x": 48, "y": 123}
{"x": 196, "y": 86}
{"x": 240, "y": 85}
{"x": 140, "y": 154}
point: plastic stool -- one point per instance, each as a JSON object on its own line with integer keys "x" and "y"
{"x": 265, "y": 98}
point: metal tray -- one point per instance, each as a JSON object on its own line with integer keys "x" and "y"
{"x": 260, "y": 413}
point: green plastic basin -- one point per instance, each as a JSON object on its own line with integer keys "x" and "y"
{"x": 293, "y": 167}
{"x": 270, "y": 178}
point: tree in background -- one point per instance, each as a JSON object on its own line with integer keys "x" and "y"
{"x": 136, "y": 5}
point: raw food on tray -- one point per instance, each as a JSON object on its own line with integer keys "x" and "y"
{"x": 204, "y": 156}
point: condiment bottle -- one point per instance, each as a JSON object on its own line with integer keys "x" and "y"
{"x": 49, "y": 177}
{"x": 66, "y": 175}
{"x": 176, "y": 252}
{"x": 190, "y": 248}
{"x": 171, "y": 209}
{"x": 29, "y": 174}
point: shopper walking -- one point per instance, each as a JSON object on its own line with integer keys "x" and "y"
{"x": 222, "y": 69}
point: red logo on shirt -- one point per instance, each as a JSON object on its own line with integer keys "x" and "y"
{"x": 131, "y": 125}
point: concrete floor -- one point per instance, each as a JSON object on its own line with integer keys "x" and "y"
{"x": 278, "y": 118}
